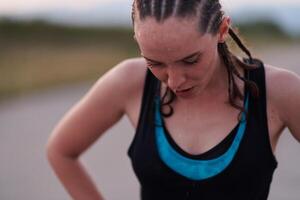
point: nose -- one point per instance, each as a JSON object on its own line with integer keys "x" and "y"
{"x": 176, "y": 78}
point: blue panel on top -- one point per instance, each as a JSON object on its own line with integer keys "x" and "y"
{"x": 191, "y": 168}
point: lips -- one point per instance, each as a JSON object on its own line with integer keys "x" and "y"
{"x": 183, "y": 91}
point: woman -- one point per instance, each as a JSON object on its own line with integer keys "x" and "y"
{"x": 207, "y": 122}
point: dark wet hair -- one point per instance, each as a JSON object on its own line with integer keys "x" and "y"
{"x": 210, "y": 16}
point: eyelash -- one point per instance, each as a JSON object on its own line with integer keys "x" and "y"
{"x": 153, "y": 65}
{"x": 159, "y": 64}
{"x": 191, "y": 62}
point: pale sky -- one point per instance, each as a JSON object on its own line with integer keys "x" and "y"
{"x": 233, "y": 4}
{"x": 117, "y": 12}
{"x": 32, "y": 6}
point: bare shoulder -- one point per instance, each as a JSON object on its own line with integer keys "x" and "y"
{"x": 132, "y": 72}
{"x": 132, "y": 68}
{"x": 124, "y": 78}
{"x": 283, "y": 93}
{"x": 100, "y": 108}
{"x": 281, "y": 83}
{"x": 130, "y": 76}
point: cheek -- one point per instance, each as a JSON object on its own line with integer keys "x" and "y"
{"x": 199, "y": 70}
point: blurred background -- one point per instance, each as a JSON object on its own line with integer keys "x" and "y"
{"x": 52, "y": 52}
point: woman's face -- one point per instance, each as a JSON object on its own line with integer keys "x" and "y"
{"x": 177, "y": 54}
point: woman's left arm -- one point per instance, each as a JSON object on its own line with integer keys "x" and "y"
{"x": 286, "y": 97}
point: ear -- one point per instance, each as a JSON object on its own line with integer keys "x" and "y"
{"x": 224, "y": 28}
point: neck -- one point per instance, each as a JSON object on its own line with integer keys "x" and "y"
{"x": 218, "y": 82}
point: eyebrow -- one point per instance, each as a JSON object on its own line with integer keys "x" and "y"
{"x": 187, "y": 57}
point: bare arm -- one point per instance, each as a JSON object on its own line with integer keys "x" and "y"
{"x": 82, "y": 125}
{"x": 286, "y": 96}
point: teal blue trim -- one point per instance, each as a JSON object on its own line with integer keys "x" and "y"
{"x": 191, "y": 168}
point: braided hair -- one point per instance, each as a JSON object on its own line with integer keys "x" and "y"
{"x": 210, "y": 16}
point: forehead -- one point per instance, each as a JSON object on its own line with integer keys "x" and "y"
{"x": 170, "y": 36}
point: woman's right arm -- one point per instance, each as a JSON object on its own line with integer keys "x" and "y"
{"x": 103, "y": 105}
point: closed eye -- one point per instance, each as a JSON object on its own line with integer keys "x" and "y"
{"x": 191, "y": 61}
{"x": 153, "y": 64}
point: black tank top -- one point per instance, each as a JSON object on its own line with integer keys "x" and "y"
{"x": 247, "y": 177}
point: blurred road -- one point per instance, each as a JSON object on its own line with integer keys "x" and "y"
{"x": 26, "y": 122}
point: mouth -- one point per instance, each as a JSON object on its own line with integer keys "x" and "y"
{"x": 184, "y": 91}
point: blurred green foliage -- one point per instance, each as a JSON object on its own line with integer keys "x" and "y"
{"x": 35, "y": 55}
{"x": 265, "y": 32}
{"x": 43, "y": 32}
